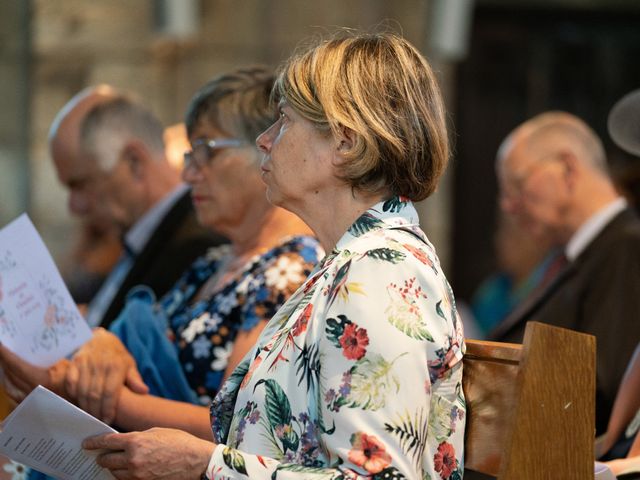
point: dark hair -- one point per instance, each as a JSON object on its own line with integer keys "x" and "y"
{"x": 238, "y": 103}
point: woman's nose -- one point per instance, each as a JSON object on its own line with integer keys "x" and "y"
{"x": 264, "y": 140}
{"x": 190, "y": 174}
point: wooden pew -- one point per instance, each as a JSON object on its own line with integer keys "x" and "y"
{"x": 6, "y": 404}
{"x": 531, "y": 407}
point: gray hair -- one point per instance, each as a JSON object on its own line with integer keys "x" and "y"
{"x": 238, "y": 103}
{"x": 574, "y": 131}
{"x": 107, "y": 128}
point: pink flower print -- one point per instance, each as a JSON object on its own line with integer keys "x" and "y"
{"x": 354, "y": 341}
{"x": 50, "y": 316}
{"x": 368, "y": 452}
{"x": 283, "y": 430}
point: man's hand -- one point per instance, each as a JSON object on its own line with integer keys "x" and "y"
{"x": 98, "y": 371}
{"x": 159, "y": 453}
{"x": 21, "y": 376}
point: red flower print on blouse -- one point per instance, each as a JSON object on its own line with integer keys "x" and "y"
{"x": 354, "y": 342}
{"x": 419, "y": 254}
{"x": 445, "y": 460}
{"x": 368, "y": 452}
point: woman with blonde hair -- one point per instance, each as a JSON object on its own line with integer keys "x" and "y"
{"x": 359, "y": 374}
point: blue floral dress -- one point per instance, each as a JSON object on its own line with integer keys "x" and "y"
{"x": 204, "y": 332}
{"x": 359, "y": 375}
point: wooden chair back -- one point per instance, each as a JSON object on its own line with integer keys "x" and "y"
{"x": 531, "y": 407}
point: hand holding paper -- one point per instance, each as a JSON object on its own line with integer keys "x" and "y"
{"x": 38, "y": 319}
{"x": 158, "y": 453}
{"x": 45, "y": 432}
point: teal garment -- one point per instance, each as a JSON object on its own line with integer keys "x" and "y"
{"x": 497, "y": 296}
{"x": 493, "y": 301}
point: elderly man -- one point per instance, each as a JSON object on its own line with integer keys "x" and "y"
{"x": 108, "y": 150}
{"x": 553, "y": 178}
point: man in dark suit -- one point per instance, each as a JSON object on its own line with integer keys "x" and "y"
{"x": 553, "y": 178}
{"x": 108, "y": 150}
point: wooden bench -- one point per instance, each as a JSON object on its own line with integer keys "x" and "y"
{"x": 531, "y": 407}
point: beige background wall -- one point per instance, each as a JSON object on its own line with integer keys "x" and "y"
{"x": 76, "y": 43}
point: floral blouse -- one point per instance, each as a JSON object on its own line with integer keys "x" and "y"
{"x": 359, "y": 374}
{"x": 204, "y": 331}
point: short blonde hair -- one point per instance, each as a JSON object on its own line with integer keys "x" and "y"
{"x": 380, "y": 87}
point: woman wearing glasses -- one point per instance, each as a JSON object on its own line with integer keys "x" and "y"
{"x": 215, "y": 312}
{"x": 359, "y": 373}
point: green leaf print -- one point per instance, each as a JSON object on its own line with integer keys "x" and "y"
{"x": 234, "y": 460}
{"x": 277, "y": 403}
{"x": 405, "y": 315}
{"x": 304, "y": 301}
{"x": 289, "y": 438}
{"x": 412, "y": 434}
{"x": 339, "y": 282}
{"x": 364, "y": 223}
{"x": 439, "y": 310}
{"x": 335, "y": 328}
{"x": 310, "y": 472}
{"x": 226, "y": 399}
{"x": 239, "y": 372}
{"x": 393, "y": 205}
{"x": 372, "y": 382}
{"x": 410, "y": 325}
{"x": 441, "y": 418}
{"x": 386, "y": 255}
{"x": 460, "y": 396}
{"x": 456, "y": 475}
{"x": 308, "y": 366}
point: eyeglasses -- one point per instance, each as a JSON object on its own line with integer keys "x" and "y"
{"x": 203, "y": 151}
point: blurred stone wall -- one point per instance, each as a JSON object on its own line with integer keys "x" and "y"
{"x": 14, "y": 109}
{"x": 76, "y": 43}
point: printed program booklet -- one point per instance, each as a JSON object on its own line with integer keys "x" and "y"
{"x": 39, "y": 321}
{"x": 45, "y": 432}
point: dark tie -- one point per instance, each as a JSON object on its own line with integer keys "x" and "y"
{"x": 126, "y": 248}
{"x": 555, "y": 274}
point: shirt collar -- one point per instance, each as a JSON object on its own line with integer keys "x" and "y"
{"x": 397, "y": 212}
{"x": 592, "y": 227}
{"x": 137, "y": 236}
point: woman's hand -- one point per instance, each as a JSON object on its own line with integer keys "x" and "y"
{"x": 157, "y": 453}
{"x": 21, "y": 376}
{"x": 98, "y": 371}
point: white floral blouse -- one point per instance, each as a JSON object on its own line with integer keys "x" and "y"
{"x": 359, "y": 374}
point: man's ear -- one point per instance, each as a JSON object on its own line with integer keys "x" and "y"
{"x": 137, "y": 156}
{"x": 570, "y": 163}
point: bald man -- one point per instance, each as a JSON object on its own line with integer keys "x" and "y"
{"x": 108, "y": 151}
{"x": 64, "y": 146}
{"x": 553, "y": 179}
